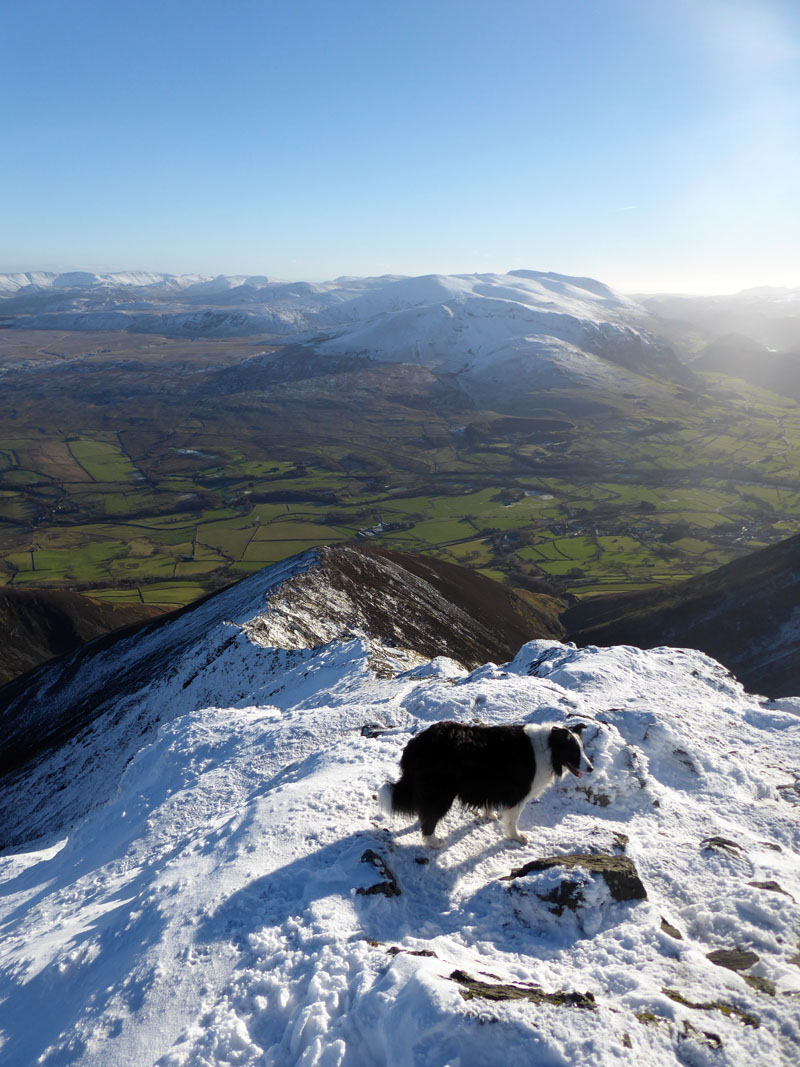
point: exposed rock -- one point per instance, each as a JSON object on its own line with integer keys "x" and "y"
{"x": 648, "y": 1018}
{"x": 417, "y": 603}
{"x": 763, "y": 985}
{"x": 473, "y": 987}
{"x": 621, "y": 841}
{"x": 724, "y": 843}
{"x": 619, "y": 874}
{"x": 772, "y": 887}
{"x": 372, "y": 729}
{"x": 701, "y": 1037}
{"x": 567, "y": 895}
{"x": 673, "y": 931}
{"x": 713, "y": 1005}
{"x": 388, "y": 887}
{"x": 395, "y": 950}
{"x": 733, "y": 958}
{"x": 602, "y": 800}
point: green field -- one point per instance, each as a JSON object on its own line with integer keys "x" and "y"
{"x": 165, "y": 507}
{"x": 103, "y": 460}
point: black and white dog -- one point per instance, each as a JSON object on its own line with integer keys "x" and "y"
{"x": 485, "y": 767}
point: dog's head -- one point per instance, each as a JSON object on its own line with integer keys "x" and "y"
{"x": 567, "y": 751}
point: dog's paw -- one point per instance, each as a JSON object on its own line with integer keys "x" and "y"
{"x": 522, "y": 838}
{"x": 433, "y": 841}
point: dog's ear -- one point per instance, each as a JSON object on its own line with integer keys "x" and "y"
{"x": 577, "y": 727}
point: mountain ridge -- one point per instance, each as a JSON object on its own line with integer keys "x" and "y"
{"x": 744, "y": 614}
{"x": 423, "y": 607}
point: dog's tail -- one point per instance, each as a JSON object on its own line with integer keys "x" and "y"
{"x": 395, "y": 798}
{"x": 385, "y": 798}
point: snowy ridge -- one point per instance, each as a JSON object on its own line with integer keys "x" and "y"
{"x": 81, "y": 279}
{"x": 95, "y": 709}
{"x": 208, "y": 912}
{"x": 71, "y": 727}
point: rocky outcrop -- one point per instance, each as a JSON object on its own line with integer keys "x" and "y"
{"x": 618, "y": 873}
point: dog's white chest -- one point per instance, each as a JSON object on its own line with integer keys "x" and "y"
{"x": 538, "y": 737}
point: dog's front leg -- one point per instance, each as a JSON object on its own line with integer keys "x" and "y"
{"x": 432, "y": 841}
{"x": 510, "y": 820}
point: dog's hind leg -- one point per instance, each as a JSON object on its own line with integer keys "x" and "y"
{"x": 434, "y": 803}
{"x": 510, "y": 820}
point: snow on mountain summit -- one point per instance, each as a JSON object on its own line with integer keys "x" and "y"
{"x": 234, "y": 896}
{"x": 579, "y": 297}
{"x": 526, "y": 328}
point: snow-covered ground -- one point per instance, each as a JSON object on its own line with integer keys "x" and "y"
{"x": 208, "y": 911}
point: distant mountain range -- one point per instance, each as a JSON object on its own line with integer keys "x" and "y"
{"x": 570, "y": 328}
{"x": 492, "y": 330}
{"x": 768, "y": 315}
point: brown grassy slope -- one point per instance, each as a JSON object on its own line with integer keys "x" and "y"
{"x": 38, "y": 624}
{"x": 745, "y": 614}
{"x": 438, "y": 608}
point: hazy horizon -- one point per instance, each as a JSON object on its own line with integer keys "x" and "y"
{"x": 652, "y": 147}
{"x": 632, "y": 291}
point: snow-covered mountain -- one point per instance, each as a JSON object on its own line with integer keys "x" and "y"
{"x": 522, "y": 328}
{"x": 84, "y": 279}
{"x": 495, "y": 331}
{"x": 217, "y": 886}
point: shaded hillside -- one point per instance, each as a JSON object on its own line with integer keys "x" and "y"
{"x": 745, "y": 614}
{"x": 769, "y": 315}
{"x": 38, "y": 624}
{"x": 742, "y": 357}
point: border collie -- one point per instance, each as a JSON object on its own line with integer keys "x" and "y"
{"x": 485, "y": 767}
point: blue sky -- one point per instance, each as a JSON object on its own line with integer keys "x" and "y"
{"x": 654, "y": 145}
